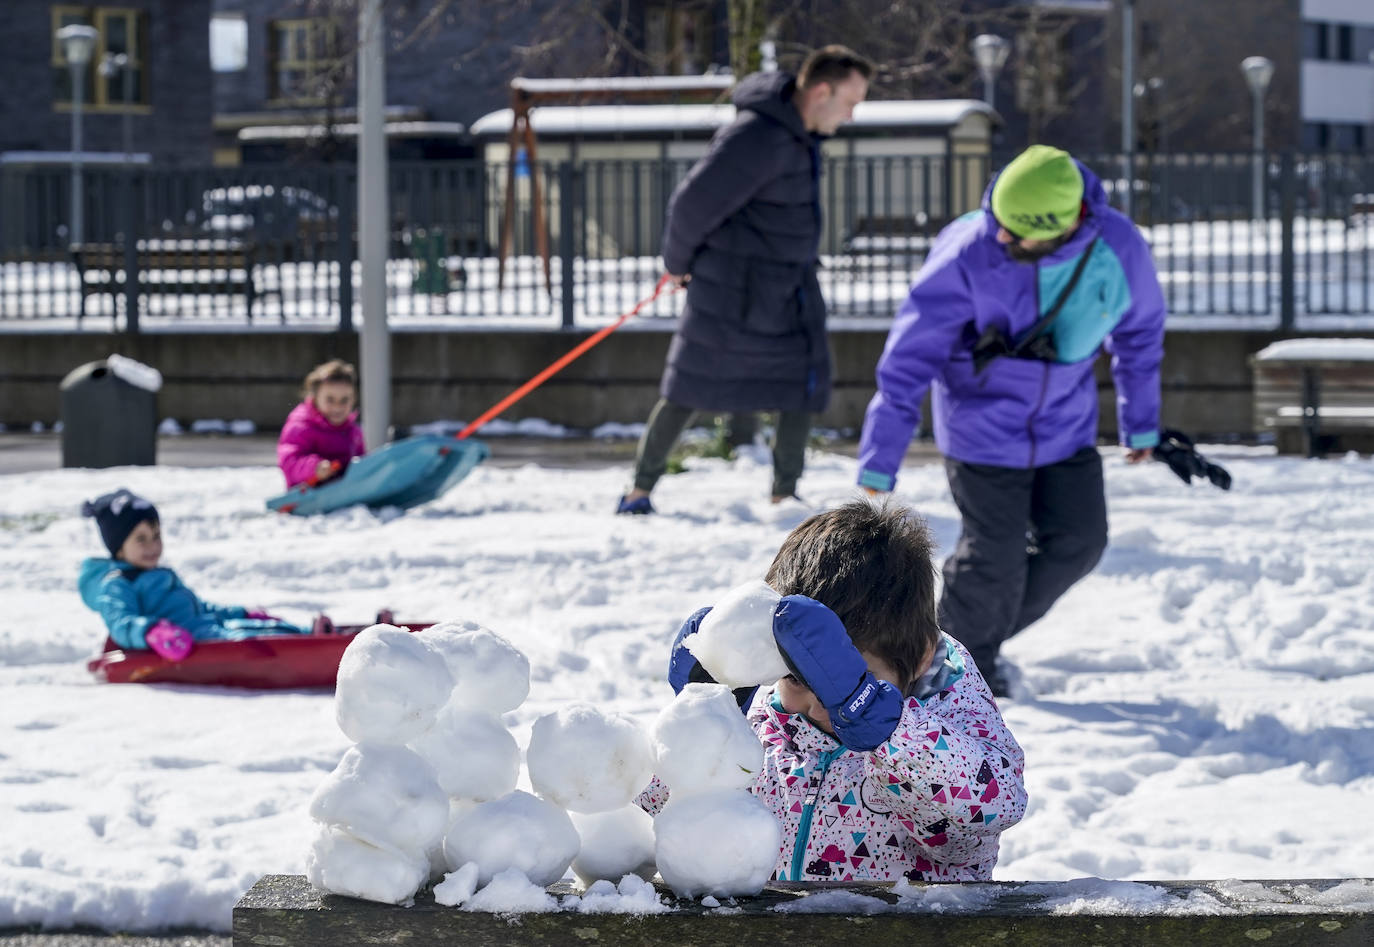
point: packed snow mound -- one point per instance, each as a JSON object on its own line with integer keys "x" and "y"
{"x": 734, "y": 641}
{"x": 588, "y": 761}
{"x": 390, "y": 687}
{"x": 472, "y": 753}
{"x": 723, "y": 843}
{"x": 342, "y": 864}
{"x": 614, "y": 844}
{"x": 517, "y": 831}
{"x": 384, "y": 795}
{"x": 702, "y": 741}
{"x": 489, "y": 673}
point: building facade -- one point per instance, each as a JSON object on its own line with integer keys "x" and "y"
{"x": 1337, "y": 98}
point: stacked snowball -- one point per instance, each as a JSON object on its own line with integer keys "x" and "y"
{"x": 708, "y": 755}
{"x": 422, "y": 710}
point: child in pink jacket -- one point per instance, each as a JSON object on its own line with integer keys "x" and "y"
{"x": 885, "y": 755}
{"x": 321, "y": 434}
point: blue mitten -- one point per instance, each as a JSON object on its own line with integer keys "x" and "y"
{"x": 684, "y": 668}
{"x": 863, "y": 710}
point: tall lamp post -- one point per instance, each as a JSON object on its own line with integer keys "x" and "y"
{"x": 77, "y": 42}
{"x": 1258, "y": 71}
{"x": 990, "y": 52}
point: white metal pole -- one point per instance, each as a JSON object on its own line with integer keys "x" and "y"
{"x": 77, "y": 223}
{"x": 1257, "y": 171}
{"x": 373, "y": 224}
{"x": 1128, "y": 104}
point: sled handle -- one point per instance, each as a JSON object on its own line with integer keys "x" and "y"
{"x": 664, "y": 282}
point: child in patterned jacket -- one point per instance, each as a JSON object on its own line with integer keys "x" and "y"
{"x": 885, "y": 755}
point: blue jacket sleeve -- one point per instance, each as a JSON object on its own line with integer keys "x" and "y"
{"x": 1136, "y": 345}
{"x": 923, "y": 336}
{"x": 118, "y": 606}
{"x": 740, "y": 161}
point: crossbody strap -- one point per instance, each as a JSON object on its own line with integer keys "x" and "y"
{"x": 1048, "y": 318}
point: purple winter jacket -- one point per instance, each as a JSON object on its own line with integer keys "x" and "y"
{"x": 307, "y": 438}
{"x": 1019, "y": 412}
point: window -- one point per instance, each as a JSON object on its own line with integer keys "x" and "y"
{"x": 228, "y": 42}
{"x": 677, "y": 38}
{"x": 108, "y": 83}
{"x": 305, "y": 60}
{"x": 1314, "y": 41}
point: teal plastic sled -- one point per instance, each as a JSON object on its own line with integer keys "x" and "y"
{"x": 402, "y": 474}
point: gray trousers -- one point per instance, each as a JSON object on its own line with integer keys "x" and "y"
{"x": 1028, "y": 535}
{"x": 668, "y": 420}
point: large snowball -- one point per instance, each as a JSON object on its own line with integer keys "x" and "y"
{"x": 489, "y": 672}
{"x": 472, "y": 752}
{"x": 390, "y": 686}
{"x": 702, "y": 741}
{"x": 734, "y": 642}
{"x": 339, "y": 863}
{"x": 614, "y": 844}
{"x": 588, "y": 761}
{"x": 385, "y": 795}
{"x": 517, "y": 831}
{"x": 723, "y": 843}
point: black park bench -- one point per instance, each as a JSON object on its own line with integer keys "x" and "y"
{"x": 174, "y": 266}
{"x": 1315, "y": 394}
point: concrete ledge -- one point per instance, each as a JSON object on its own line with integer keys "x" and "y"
{"x": 286, "y": 910}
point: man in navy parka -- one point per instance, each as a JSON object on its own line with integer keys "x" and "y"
{"x": 1019, "y": 435}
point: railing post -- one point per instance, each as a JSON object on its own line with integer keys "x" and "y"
{"x": 567, "y": 217}
{"x": 1288, "y": 204}
{"x": 131, "y": 232}
{"x": 345, "y": 193}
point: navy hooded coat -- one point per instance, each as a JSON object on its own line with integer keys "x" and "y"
{"x": 746, "y": 224}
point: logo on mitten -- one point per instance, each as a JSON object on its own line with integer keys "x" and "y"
{"x": 857, "y": 703}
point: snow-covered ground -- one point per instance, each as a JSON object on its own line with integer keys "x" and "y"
{"x": 1200, "y": 707}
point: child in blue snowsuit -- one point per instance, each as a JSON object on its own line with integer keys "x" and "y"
{"x": 145, "y": 605}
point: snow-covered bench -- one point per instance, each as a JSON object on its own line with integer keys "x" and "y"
{"x": 1311, "y": 391}
{"x": 285, "y": 909}
{"x": 179, "y": 266}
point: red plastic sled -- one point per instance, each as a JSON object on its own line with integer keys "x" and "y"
{"x": 269, "y": 662}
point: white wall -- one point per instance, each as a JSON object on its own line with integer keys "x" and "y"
{"x": 1359, "y": 12}
{"x": 1337, "y": 92}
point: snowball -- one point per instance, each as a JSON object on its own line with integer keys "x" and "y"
{"x": 723, "y": 843}
{"x": 510, "y": 892}
{"x": 488, "y": 671}
{"x": 517, "y": 831}
{"x": 473, "y": 754}
{"x": 340, "y": 863}
{"x": 457, "y": 886}
{"x": 614, "y": 844}
{"x": 734, "y": 642}
{"x": 390, "y": 686}
{"x": 384, "y": 795}
{"x": 588, "y": 761}
{"x": 702, "y": 741}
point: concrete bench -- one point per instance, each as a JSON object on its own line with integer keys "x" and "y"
{"x": 1316, "y": 394}
{"x": 285, "y": 910}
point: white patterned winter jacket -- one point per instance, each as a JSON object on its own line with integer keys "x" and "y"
{"x": 927, "y": 805}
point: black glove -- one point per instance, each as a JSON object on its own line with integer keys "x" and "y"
{"x": 1176, "y": 449}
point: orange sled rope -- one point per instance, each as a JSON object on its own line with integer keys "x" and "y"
{"x": 663, "y": 283}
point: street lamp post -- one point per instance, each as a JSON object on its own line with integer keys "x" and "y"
{"x": 77, "y": 42}
{"x": 1258, "y": 71}
{"x": 990, "y": 52}
{"x": 119, "y": 63}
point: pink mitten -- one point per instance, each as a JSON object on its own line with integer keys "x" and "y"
{"x": 258, "y": 613}
{"x": 170, "y": 641}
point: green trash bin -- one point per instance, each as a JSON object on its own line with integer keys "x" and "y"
{"x": 431, "y": 264}
{"x": 109, "y": 414}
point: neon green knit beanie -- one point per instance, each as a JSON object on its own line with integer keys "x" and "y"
{"x": 1039, "y": 194}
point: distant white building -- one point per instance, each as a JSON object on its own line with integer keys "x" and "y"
{"x": 1337, "y": 84}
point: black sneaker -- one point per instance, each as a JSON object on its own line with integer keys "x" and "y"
{"x": 640, "y": 506}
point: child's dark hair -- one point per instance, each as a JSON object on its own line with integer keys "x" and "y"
{"x": 336, "y": 369}
{"x": 872, "y": 564}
